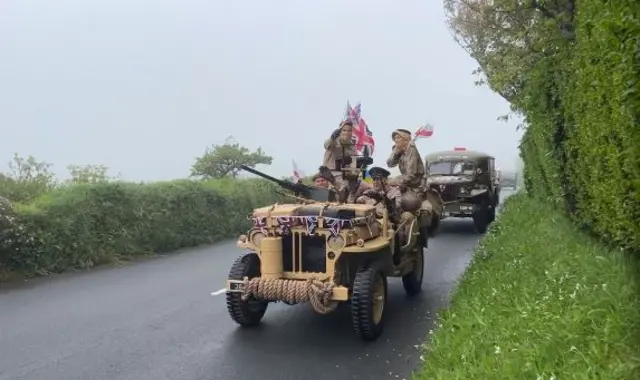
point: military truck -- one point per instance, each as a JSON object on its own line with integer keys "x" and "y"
{"x": 467, "y": 183}
{"x": 322, "y": 251}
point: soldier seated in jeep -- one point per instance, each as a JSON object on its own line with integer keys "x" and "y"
{"x": 383, "y": 195}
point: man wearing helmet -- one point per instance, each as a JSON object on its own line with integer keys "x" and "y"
{"x": 333, "y": 148}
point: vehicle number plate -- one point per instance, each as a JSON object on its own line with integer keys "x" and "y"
{"x": 236, "y": 286}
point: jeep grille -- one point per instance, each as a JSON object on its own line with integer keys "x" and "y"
{"x": 304, "y": 253}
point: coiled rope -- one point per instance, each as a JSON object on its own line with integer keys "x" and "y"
{"x": 316, "y": 292}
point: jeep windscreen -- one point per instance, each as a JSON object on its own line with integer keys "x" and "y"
{"x": 452, "y": 168}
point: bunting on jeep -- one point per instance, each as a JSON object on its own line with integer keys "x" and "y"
{"x": 260, "y": 223}
{"x": 285, "y": 223}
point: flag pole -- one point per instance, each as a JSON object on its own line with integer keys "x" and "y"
{"x": 345, "y": 116}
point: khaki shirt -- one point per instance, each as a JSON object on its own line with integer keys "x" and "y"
{"x": 412, "y": 169}
{"x": 333, "y": 152}
{"x": 391, "y": 192}
{"x": 360, "y": 193}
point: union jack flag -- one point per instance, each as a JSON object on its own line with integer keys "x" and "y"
{"x": 362, "y": 135}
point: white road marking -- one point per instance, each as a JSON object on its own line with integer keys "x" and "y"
{"x": 218, "y": 292}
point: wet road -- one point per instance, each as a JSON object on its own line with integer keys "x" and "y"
{"x": 158, "y": 320}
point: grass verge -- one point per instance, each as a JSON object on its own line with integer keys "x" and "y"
{"x": 541, "y": 300}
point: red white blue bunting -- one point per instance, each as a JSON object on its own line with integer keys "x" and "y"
{"x": 284, "y": 224}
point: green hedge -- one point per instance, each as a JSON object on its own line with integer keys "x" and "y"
{"x": 582, "y": 145}
{"x": 540, "y": 300}
{"x": 85, "y": 225}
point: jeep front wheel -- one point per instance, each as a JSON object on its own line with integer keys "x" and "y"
{"x": 368, "y": 302}
{"x": 245, "y": 312}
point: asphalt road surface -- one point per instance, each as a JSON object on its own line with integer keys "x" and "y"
{"x": 164, "y": 319}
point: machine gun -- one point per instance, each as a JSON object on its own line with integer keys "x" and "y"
{"x": 380, "y": 197}
{"x": 299, "y": 189}
{"x": 353, "y": 169}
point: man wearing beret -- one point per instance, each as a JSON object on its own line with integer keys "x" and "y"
{"x": 383, "y": 188}
{"x": 333, "y": 148}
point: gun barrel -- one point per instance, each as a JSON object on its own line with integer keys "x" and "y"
{"x": 299, "y": 188}
{"x": 259, "y": 173}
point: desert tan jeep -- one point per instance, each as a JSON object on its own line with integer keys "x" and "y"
{"x": 323, "y": 253}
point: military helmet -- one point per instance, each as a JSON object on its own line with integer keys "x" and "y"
{"x": 410, "y": 201}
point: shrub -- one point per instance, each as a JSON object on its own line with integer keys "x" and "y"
{"x": 572, "y": 69}
{"x": 581, "y": 146}
{"x": 82, "y": 225}
{"x": 540, "y": 300}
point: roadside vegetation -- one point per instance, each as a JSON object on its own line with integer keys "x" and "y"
{"x": 48, "y": 225}
{"x": 540, "y": 300}
{"x": 553, "y": 290}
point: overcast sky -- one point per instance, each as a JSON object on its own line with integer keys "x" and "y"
{"x": 143, "y": 86}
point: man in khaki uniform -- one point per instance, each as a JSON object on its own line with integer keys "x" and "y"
{"x": 412, "y": 180}
{"x": 359, "y": 195}
{"x": 333, "y": 148}
{"x": 382, "y": 187}
{"x": 345, "y": 193}
{"x": 405, "y": 155}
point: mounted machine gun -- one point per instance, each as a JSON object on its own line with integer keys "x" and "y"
{"x": 299, "y": 190}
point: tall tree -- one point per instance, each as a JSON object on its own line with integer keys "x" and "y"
{"x": 508, "y": 37}
{"x": 28, "y": 178}
{"x": 220, "y": 161}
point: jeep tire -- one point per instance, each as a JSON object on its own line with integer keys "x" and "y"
{"x": 369, "y": 302}
{"x": 245, "y": 312}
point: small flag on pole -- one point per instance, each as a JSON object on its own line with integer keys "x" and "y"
{"x": 424, "y": 131}
{"x": 297, "y": 174}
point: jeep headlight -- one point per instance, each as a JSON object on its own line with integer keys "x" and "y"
{"x": 256, "y": 238}
{"x": 335, "y": 243}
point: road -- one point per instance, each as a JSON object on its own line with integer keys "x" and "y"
{"x": 158, "y": 319}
